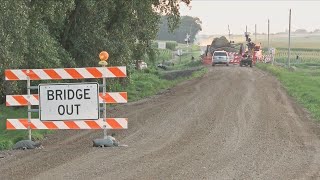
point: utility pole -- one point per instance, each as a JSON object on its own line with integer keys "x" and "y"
{"x": 229, "y": 32}
{"x": 268, "y": 35}
{"x": 255, "y": 33}
{"x": 289, "y": 44}
{"x": 246, "y": 29}
{"x": 269, "y": 50}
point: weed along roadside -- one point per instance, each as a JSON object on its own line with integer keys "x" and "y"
{"x": 301, "y": 82}
{"x": 142, "y": 84}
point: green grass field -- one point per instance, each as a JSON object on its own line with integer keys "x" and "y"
{"x": 297, "y": 41}
{"x": 306, "y": 41}
{"x": 303, "y": 84}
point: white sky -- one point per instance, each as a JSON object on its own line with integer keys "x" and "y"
{"x": 216, "y": 15}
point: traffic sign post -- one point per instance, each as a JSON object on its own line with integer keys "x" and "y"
{"x": 29, "y": 107}
{"x": 103, "y": 61}
{"x": 272, "y": 52}
{"x": 67, "y": 105}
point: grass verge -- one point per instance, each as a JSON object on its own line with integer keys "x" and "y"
{"x": 10, "y": 137}
{"x": 303, "y": 84}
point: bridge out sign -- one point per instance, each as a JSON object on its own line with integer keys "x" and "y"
{"x": 73, "y": 101}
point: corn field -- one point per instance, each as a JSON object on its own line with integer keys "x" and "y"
{"x": 298, "y": 55}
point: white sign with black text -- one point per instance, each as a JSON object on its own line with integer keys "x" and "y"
{"x": 69, "y": 101}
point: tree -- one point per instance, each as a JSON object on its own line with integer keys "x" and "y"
{"x": 124, "y": 28}
{"x": 188, "y": 25}
{"x": 13, "y": 40}
{"x": 316, "y": 31}
{"x": 71, "y": 33}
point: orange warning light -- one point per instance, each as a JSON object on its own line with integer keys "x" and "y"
{"x": 104, "y": 55}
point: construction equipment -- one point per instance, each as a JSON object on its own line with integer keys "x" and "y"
{"x": 251, "y": 54}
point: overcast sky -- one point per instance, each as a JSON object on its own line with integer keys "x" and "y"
{"x": 216, "y": 15}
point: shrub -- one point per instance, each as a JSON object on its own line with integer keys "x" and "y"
{"x": 146, "y": 71}
{"x": 171, "y": 45}
{"x": 5, "y": 144}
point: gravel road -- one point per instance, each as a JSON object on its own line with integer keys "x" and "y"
{"x": 233, "y": 123}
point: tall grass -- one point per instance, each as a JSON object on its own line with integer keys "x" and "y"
{"x": 163, "y": 55}
{"x": 9, "y": 137}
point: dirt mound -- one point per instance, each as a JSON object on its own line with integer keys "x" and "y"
{"x": 221, "y": 44}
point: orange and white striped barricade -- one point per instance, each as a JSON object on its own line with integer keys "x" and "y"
{"x": 33, "y": 99}
{"x": 235, "y": 58}
{"x": 111, "y": 123}
{"x": 62, "y": 74}
{"x": 65, "y": 73}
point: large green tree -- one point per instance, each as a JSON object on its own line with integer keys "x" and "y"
{"x": 28, "y": 37}
{"x": 188, "y": 25}
{"x": 71, "y": 33}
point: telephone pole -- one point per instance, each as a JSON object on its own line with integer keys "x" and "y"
{"x": 246, "y": 29}
{"x": 268, "y": 34}
{"x": 229, "y": 32}
{"x": 255, "y": 33}
{"x": 289, "y": 44}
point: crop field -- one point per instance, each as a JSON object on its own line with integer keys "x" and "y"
{"x": 297, "y": 41}
{"x": 163, "y": 55}
{"x": 305, "y": 41}
{"x": 298, "y": 55}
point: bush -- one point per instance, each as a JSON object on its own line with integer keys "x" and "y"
{"x": 171, "y": 45}
{"x": 146, "y": 71}
{"x": 154, "y": 45}
{"x": 5, "y": 144}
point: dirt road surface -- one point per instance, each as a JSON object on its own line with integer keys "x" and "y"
{"x": 233, "y": 123}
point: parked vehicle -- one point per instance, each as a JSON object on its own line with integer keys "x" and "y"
{"x": 143, "y": 65}
{"x": 220, "y": 57}
{"x": 140, "y": 65}
{"x": 162, "y": 66}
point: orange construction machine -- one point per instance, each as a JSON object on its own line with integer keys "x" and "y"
{"x": 251, "y": 54}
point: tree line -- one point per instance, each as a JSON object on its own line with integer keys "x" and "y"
{"x": 188, "y": 25}
{"x": 71, "y": 33}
